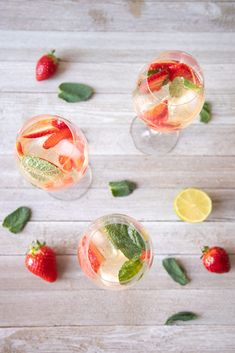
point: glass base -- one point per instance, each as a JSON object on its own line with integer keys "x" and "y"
{"x": 152, "y": 142}
{"x": 76, "y": 191}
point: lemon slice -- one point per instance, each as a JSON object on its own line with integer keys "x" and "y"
{"x": 192, "y": 205}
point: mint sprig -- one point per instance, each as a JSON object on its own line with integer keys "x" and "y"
{"x": 128, "y": 270}
{"x": 126, "y": 239}
{"x": 122, "y": 188}
{"x": 181, "y": 316}
{"x": 178, "y": 86}
{"x": 75, "y": 92}
{"x": 205, "y": 114}
{"x": 16, "y": 221}
{"x": 175, "y": 270}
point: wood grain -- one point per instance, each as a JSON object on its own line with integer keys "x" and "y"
{"x": 93, "y": 339}
{"x": 118, "y": 15}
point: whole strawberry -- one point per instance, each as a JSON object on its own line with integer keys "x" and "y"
{"x": 41, "y": 261}
{"x": 215, "y": 259}
{"x": 46, "y": 66}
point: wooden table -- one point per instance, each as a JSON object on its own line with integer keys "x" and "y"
{"x": 104, "y": 43}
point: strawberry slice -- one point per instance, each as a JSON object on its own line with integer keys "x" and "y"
{"x": 145, "y": 255}
{"x": 154, "y": 82}
{"x": 19, "y": 149}
{"x": 95, "y": 257}
{"x": 156, "y": 115}
{"x": 57, "y": 137}
{"x": 66, "y": 162}
{"x": 161, "y": 65}
{"x": 41, "y": 132}
{"x": 58, "y": 123}
{"x": 182, "y": 70}
{"x": 78, "y": 164}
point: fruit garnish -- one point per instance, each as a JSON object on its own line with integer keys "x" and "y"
{"x": 153, "y": 83}
{"x": 66, "y": 162}
{"x": 55, "y": 138}
{"x": 181, "y": 316}
{"x": 182, "y": 70}
{"x": 161, "y": 65}
{"x": 59, "y": 123}
{"x": 78, "y": 163}
{"x": 175, "y": 270}
{"x": 19, "y": 149}
{"x": 40, "y": 170}
{"x": 75, "y": 92}
{"x": 205, "y": 114}
{"x": 192, "y": 205}
{"x": 145, "y": 255}
{"x": 46, "y": 66}
{"x": 129, "y": 270}
{"x": 17, "y": 220}
{"x": 126, "y": 239}
{"x": 157, "y": 114}
{"x": 122, "y": 188}
{"x": 41, "y": 132}
{"x": 215, "y": 259}
{"x": 41, "y": 261}
{"x": 95, "y": 257}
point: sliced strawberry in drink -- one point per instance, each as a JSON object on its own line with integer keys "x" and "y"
{"x": 78, "y": 163}
{"x": 41, "y": 132}
{"x": 55, "y": 138}
{"x": 161, "y": 65}
{"x": 95, "y": 257}
{"x": 154, "y": 82}
{"x": 59, "y": 123}
{"x": 156, "y": 115}
{"x": 182, "y": 70}
{"x": 145, "y": 255}
{"x": 19, "y": 149}
{"x": 66, "y": 162}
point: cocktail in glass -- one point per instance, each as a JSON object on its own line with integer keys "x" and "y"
{"x": 52, "y": 154}
{"x": 115, "y": 251}
{"x": 168, "y": 96}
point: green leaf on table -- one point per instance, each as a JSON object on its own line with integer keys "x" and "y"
{"x": 176, "y": 272}
{"x": 119, "y": 236}
{"x": 205, "y": 114}
{"x": 181, "y": 316}
{"x": 122, "y": 188}
{"x": 75, "y": 92}
{"x": 39, "y": 170}
{"x": 17, "y": 220}
{"x": 128, "y": 270}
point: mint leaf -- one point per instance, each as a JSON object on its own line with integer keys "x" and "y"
{"x": 119, "y": 236}
{"x": 181, "y": 316}
{"x": 152, "y": 72}
{"x": 39, "y": 170}
{"x": 175, "y": 271}
{"x": 190, "y": 85}
{"x": 136, "y": 238}
{"x": 75, "y": 92}
{"x": 128, "y": 270}
{"x": 205, "y": 114}
{"x": 17, "y": 220}
{"x": 122, "y": 188}
{"x": 176, "y": 87}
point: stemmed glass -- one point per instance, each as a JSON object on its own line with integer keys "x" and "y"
{"x": 168, "y": 96}
{"x": 115, "y": 251}
{"x": 52, "y": 154}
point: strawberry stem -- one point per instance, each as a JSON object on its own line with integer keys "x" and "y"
{"x": 35, "y": 246}
{"x": 204, "y": 250}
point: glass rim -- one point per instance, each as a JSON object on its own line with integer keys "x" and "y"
{"x": 93, "y": 227}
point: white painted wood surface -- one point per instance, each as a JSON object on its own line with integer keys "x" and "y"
{"x": 104, "y": 43}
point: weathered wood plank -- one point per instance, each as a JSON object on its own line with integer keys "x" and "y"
{"x": 168, "y": 238}
{"x": 15, "y": 277}
{"x": 173, "y": 171}
{"x": 119, "y": 15}
{"x": 103, "y": 108}
{"x": 135, "y": 307}
{"x": 119, "y": 46}
{"x": 105, "y": 77}
{"x": 147, "y": 204}
{"x": 93, "y": 339}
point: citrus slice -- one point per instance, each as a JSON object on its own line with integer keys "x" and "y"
{"x": 192, "y": 205}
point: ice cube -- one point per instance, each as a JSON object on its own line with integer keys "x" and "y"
{"x": 110, "y": 268}
{"x": 104, "y": 245}
{"x": 67, "y": 148}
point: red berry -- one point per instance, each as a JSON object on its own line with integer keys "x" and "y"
{"x": 46, "y": 66}
{"x": 41, "y": 261}
{"x": 215, "y": 259}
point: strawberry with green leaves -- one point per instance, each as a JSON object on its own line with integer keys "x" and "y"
{"x": 47, "y": 66}
{"x": 41, "y": 261}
